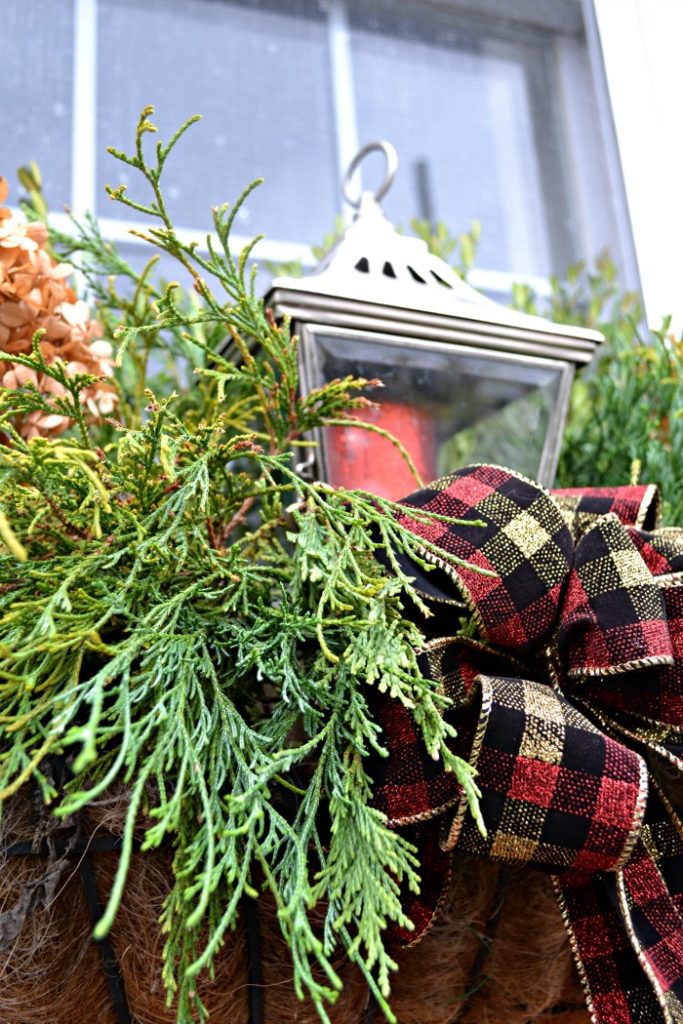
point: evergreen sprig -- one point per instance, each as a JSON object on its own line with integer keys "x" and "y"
{"x": 182, "y": 614}
{"x": 30, "y": 399}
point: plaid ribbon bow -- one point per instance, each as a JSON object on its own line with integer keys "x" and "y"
{"x": 569, "y": 704}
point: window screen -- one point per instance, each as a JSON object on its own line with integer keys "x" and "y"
{"x": 36, "y": 73}
{"x": 259, "y": 75}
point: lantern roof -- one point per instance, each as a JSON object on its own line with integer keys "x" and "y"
{"x": 375, "y": 268}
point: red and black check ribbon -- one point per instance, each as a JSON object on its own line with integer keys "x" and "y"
{"x": 568, "y": 701}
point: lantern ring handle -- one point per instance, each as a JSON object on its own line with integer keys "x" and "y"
{"x": 391, "y": 157}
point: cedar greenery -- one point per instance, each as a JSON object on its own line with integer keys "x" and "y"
{"x": 184, "y": 615}
{"x": 626, "y": 418}
{"x": 626, "y": 412}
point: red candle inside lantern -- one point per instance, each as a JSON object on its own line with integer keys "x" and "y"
{"x": 361, "y": 458}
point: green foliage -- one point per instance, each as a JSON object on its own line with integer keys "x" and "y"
{"x": 587, "y": 297}
{"x": 162, "y": 359}
{"x": 183, "y": 615}
{"x": 32, "y": 181}
{"x": 458, "y": 250}
{"x": 625, "y": 418}
{"x": 30, "y": 399}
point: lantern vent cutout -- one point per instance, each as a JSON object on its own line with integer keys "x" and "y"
{"x": 465, "y": 379}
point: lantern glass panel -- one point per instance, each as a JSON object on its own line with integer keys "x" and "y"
{"x": 449, "y": 405}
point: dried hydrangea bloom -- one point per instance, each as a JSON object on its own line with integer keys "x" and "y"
{"x": 34, "y": 294}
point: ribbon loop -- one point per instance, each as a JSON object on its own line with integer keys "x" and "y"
{"x": 556, "y": 791}
{"x": 523, "y": 541}
{"x": 613, "y": 618}
{"x": 650, "y": 701}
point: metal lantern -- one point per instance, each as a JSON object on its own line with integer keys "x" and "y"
{"x": 465, "y": 379}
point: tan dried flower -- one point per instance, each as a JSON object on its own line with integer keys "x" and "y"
{"x": 34, "y": 294}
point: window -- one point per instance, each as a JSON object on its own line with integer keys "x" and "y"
{"x": 491, "y": 105}
{"x": 37, "y": 115}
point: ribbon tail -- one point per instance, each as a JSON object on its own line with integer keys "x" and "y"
{"x": 626, "y": 933}
{"x": 423, "y": 907}
{"x": 655, "y": 928}
{"x": 650, "y": 896}
{"x": 616, "y": 988}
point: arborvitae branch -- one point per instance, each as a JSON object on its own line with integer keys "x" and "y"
{"x": 176, "y": 605}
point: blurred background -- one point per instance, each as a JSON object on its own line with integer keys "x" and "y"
{"x": 551, "y": 122}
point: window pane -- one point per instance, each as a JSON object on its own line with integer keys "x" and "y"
{"x": 471, "y": 105}
{"x": 258, "y": 72}
{"x": 36, "y": 72}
